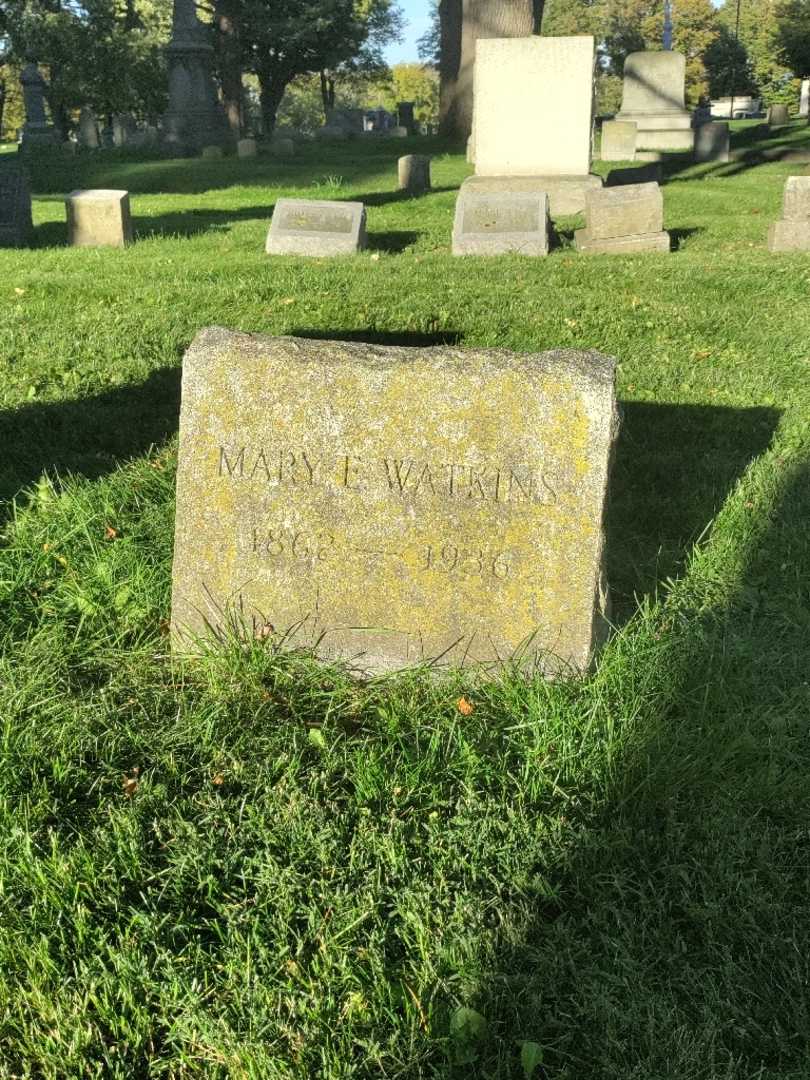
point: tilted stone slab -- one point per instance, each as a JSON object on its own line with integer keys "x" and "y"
{"x": 16, "y": 226}
{"x": 621, "y": 245}
{"x": 533, "y": 112}
{"x": 566, "y": 194}
{"x": 99, "y": 217}
{"x": 796, "y": 199}
{"x": 624, "y": 211}
{"x": 618, "y": 140}
{"x": 316, "y": 227}
{"x": 500, "y": 224}
{"x": 712, "y": 142}
{"x": 392, "y": 505}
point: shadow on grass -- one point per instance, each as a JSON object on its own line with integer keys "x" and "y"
{"x": 664, "y": 943}
{"x": 674, "y": 466}
{"x": 680, "y": 236}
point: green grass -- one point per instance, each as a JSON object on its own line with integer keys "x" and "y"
{"x": 306, "y": 877}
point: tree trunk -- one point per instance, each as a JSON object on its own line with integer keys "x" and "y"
{"x": 463, "y": 22}
{"x": 271, "y": 91}
{"x": 2, "y": 104}
{"x": 230, "y": 65}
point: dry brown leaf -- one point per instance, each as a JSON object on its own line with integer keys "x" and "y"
{"x": 218, "y": 779}
{"x": 110, "y": 533}
{"x": 464, "y": 706}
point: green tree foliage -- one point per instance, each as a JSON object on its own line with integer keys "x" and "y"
{"x": 411, "y": 82}
{"x": 794, "y": 35}
{"x": 104, "y": 53}
{"x": 767, "y": 70}
{"x": 283, "y": 39}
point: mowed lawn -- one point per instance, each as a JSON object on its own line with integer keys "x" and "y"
{"x": 253, "y": 866}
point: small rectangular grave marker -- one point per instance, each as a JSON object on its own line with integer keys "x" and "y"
{"x": 16, "y": 227}
{"x": 618, "y": 140}
{"x": 316, "y": 227}
{"x": 394, "y": 505}
{"x": 497, "y": 224}
{"x": 623, "y": 219}
{"x": 99, "y": 217}
{"x": 712, "y": 142}
{"x": 792, "y": 232}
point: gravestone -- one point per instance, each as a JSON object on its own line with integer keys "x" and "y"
{"x": 653, "y": 98}
{"x": 246, "y": 148}
{"x": 623, "y": 220}
{"x": 405, "y": 116}
{"x": 124, "y": 127}
{"x": 533, "y": 119}
{"x": 212, "y": 153}
{"x": 792, "y": 233}
{"x": 778, "y": 115}
{"x": 501, "y": 223}
{"x": 98, "y": 217}
{"x": 37, "y": 131}
{"x": 195, "y": 117}
{"x": 16, "y": 226}
{"x": 389, "y": 506}
{"x": 316, "y": 227}
{"x": 282, "y": 147}
{"x": 398, "y": 132}
{"x": 804, "y": 99}
{"x": 414, "y": 173}
{"x": 618, "y": 140}
{"x": 712, "y": 142}
{"x": 88, "y": 130}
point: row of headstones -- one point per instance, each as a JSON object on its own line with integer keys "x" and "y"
{"x": 619, "y": 220}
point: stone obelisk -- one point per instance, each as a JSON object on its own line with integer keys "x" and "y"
{"x": 195, "y": 117}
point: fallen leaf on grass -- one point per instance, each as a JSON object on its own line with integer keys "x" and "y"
{"x": 130, "y": 783}
{"x": 464, "y": 706}
{"x": 218, "y": 780}
{"x": 110, "y": 533}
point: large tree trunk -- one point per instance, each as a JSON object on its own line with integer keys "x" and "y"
{"x": 463, "y": 22}
{"x": 327, "y": 94}
{"x": 230, "y": 65}
{"x": 271, "y": 91}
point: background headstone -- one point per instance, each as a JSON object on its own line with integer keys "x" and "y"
{"x": 405, "y": 116}
{"x": 414, "y": 173}
{"x": 792, "y": 232}
{"x": 653, "y": 97}
{"x": 623, "y": 219}
{"x": 804, "y": 99}
{"x": 194, "y": 117}
{"x": 394, "y": 505}
{"x": 712, "y": 142}
{"x": 37, "y": 131}
{"x": 316, "y": 227}
{"x": 88, "y": 130}
{"x": 246, "y": 148}
{"x": 501, "y": 223}
{"x": 618, "y": 140}
{"x": 778, "y": 115}
{"x": 16, "y": 227}
{"x": 212, "y": 153}
{"x": 99, "y": 217}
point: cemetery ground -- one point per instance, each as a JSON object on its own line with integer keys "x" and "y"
{"x": 252, "y": 865}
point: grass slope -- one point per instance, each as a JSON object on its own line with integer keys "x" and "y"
{"x": 252, "y": 867}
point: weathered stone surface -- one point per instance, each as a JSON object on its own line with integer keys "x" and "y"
{"x": 804, "y": 99}
{"x": 618, "y": 140}
{"x": 398, "y": 132}
{"x": 621, "y": 245}
{"x": 246, "y": 148}
{"x": 796, "y": 199}
{"x": 316, "y": 227}
{"x": 778, "y": 115}
{"x": 413, "y": 172}
{"x": 653, "y": 98}
{"x": 98, "y": 217}
{"x": 712, "y": 142}
{"x": 566, "y": 194}
{"x": 533, "y": 113}
{"x": 394, "y": 505}
{"x": 651, "y": 173}
{"x": 16, "y": 227}
{"x": 212, "y": 153}
{"x": 628, "y": 210}
{"x": 405, "y": 116}
{"x": 501, "y": 223}
{"x": 789, "y": 236}
{"x": 88, "y": 130}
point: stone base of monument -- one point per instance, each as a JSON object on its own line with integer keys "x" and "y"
{"x": 316, "y": 227}
{"x": 667, "y": 139}
{"x": 621, "y": 245}
{"x": 501, "y": 223}
{"x": 566, "y": 194}
{"x": 98, "y": 218}
{"x": 38, "y": 135}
